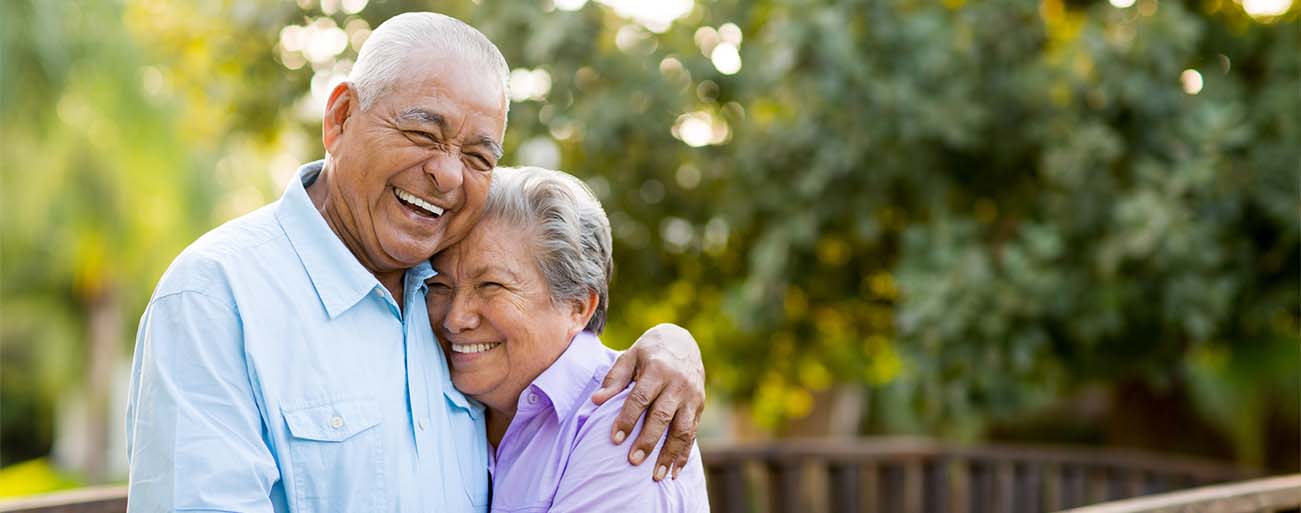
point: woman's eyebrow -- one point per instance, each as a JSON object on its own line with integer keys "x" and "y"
{"x": 488, "y": 268}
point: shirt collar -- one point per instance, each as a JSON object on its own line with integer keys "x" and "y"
{"x": 340, "y": 280}
{"x": 564, "y": 382}
{"x": 417, "y": 277}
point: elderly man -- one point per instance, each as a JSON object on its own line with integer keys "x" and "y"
{"x": 285, "y": 361}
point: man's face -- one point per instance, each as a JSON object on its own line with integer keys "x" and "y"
{"x": 410, "y": 175}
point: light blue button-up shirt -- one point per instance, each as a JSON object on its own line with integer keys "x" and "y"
{"x": 273, "y": 372}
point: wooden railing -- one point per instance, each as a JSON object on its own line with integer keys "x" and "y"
{"x": 878, "y": 475}
{"x": 1270, "y": 495}
{"x": 103, "y": 499}
{"x": 911, "y": 475}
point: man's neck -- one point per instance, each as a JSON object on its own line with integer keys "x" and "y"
{"x": 319, "y": 192}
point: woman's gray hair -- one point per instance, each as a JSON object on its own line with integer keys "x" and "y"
{"x": 384, "y": 57}
{"x": 571, "y": 242}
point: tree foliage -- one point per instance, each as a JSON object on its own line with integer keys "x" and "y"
{"x": 973, "y": 208}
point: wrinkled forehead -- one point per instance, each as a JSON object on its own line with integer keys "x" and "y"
{"x": 491, "y": 245}
{"x": 443, "y": 81}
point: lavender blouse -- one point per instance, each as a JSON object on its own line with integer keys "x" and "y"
{"x": 557, "y": 455}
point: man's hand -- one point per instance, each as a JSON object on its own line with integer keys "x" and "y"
{"x": 665, "y": 362}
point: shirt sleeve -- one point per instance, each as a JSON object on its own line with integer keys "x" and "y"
{"x": 195, "y": 436}
{"x": 599, "y": 478}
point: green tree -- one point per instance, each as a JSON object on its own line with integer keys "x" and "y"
{"x": 971, "y": 209}
{"x": 979, "y": 206}
{"x": 105, "y": 179}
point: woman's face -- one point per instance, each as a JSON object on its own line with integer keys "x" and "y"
{"x": 493, "y": 314}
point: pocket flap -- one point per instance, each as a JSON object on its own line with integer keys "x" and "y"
{"x": 332, "y": 422}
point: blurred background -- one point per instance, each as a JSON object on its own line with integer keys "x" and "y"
{"x": 1070, "y": 222}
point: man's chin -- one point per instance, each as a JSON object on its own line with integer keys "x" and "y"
{"x": 409, "y": 255}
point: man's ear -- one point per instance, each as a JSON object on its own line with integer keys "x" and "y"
{"x": 338, "y": 110}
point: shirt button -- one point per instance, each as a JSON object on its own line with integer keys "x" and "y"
{"x": 533, "y": 398}
{"x": 379, "y": 293}
{"x": 421, "y": 425}
{"x": 336, "y": 422}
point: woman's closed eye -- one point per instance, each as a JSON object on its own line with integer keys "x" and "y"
{"x": 438, "y": 287}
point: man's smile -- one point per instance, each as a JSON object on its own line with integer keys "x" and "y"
{"x": 416, "y": 204}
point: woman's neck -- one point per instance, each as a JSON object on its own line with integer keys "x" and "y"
{"x": 498, "y": 420}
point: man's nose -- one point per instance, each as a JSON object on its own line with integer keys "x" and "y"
{"x": 446, "y": 170}
{"x": 463, "y": 314}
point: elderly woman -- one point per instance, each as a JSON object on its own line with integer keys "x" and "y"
{"x": 518, "y": 305}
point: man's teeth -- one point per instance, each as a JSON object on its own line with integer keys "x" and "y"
{"x": 412, "y": 199}
{"x": 473, "y": 348}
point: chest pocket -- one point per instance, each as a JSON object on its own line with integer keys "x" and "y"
{"x": 466, "y": 422}
{"x": 338, "y": 456}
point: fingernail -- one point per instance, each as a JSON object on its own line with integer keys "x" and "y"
{"x": 638, "y": 456}
{"x": 618, "y": 437}
{"x": 659, "y": 472}
{"x": 676, "y": 471}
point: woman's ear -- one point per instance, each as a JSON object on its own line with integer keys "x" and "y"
{"x": 582, "y": 310}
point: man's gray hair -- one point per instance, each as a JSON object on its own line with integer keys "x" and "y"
{"x": 571, "y": 235}
{"x": 385, "y": 55}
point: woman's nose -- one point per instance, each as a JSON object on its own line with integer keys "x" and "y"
{"x": 462, "y": 315}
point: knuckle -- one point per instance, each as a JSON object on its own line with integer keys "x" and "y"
{"x": 659, "y": 361}
{"x": 669, "y": 401}
{"x": 639, "y": 397}
{"x": 685, "y": 420}
{"x": 669, "y": 369}
{"x": 650, "y": 381}
{"x": 661, "y": 416}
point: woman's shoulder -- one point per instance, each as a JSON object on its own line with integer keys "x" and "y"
{"x": 599, "y": 476}
{"x": 605, "y": 413}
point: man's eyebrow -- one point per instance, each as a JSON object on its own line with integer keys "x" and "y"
{"x": 420, "y": 115}
{"x": 492, "y": 145}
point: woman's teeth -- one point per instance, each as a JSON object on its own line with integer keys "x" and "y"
{"x": 473, "y": 348}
